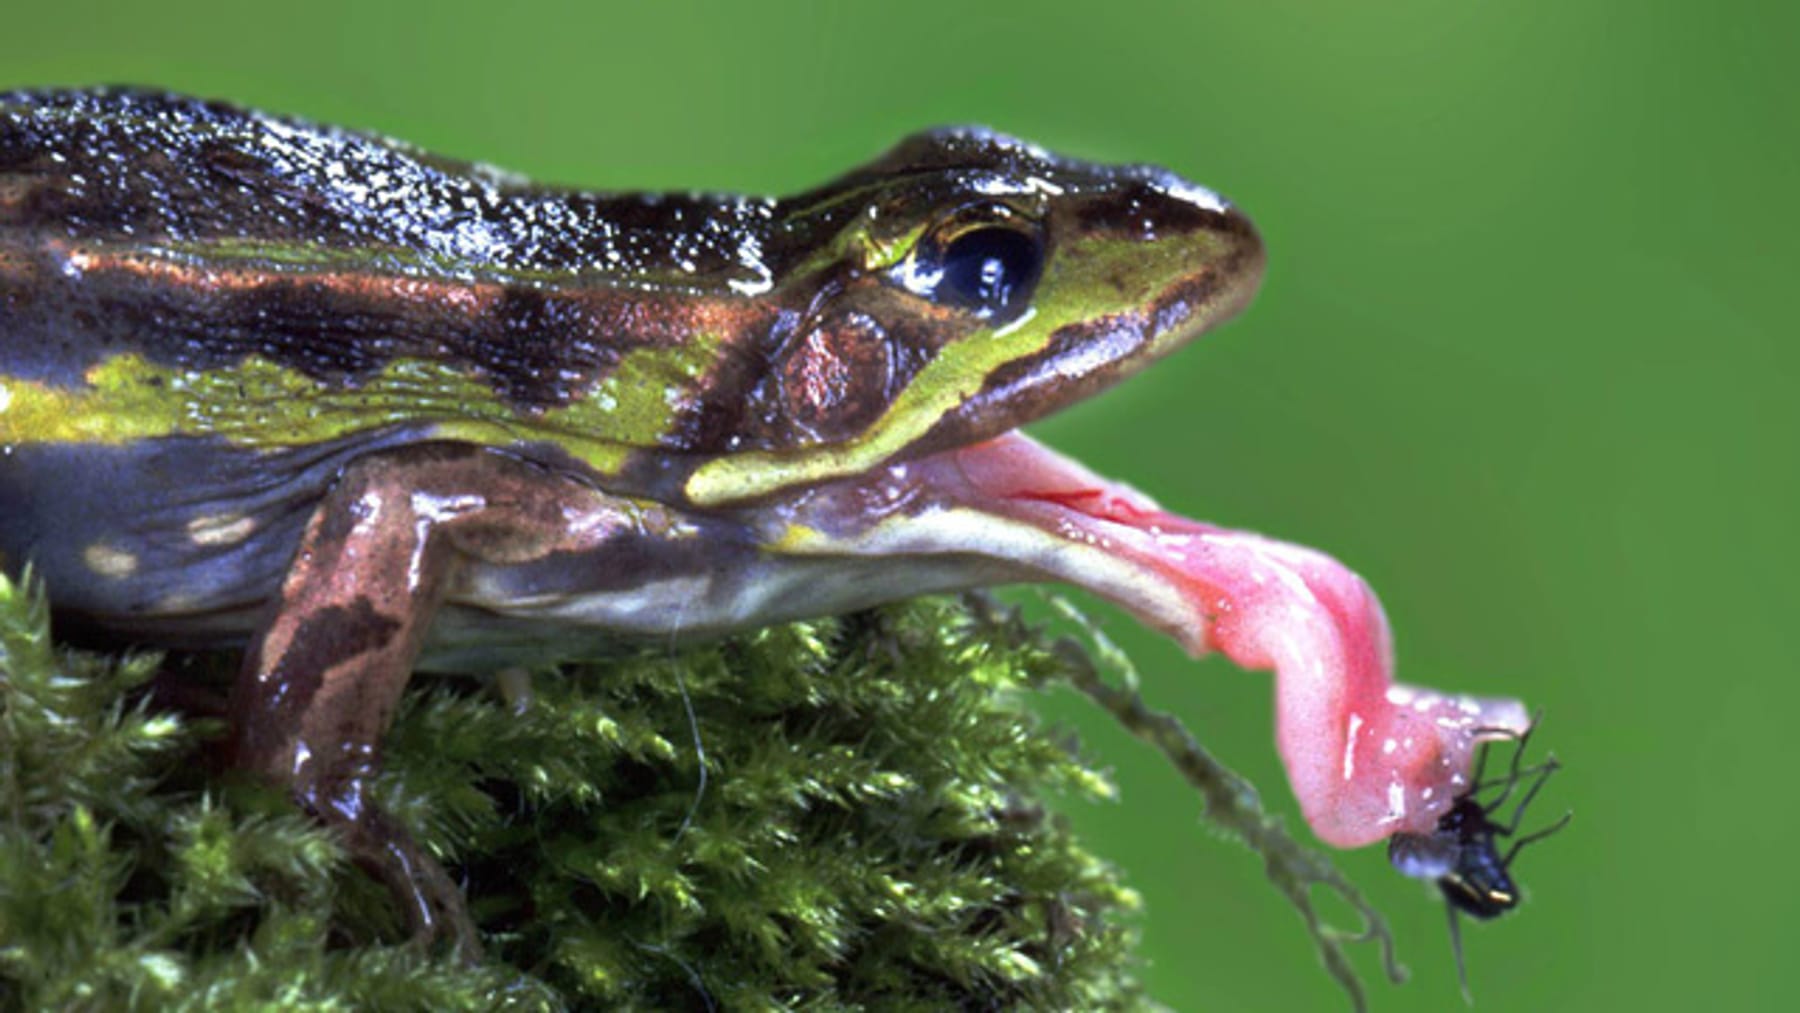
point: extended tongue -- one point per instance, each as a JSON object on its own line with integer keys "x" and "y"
{"x": 1367, "y": 758}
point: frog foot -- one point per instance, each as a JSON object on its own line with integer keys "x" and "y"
{"x": 432, "y": 902}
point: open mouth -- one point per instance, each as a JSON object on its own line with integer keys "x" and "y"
{"x": 1366, "y": 757}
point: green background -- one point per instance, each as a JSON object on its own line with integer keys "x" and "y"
{"x": 1524, "y": 358}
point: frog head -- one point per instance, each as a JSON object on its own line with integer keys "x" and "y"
{"x": 961, "y": 286}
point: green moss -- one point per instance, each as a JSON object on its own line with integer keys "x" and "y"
{"x": 842, "y": 813}
{"x": 868, "y": 830}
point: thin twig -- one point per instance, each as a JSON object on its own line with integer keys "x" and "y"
{"x": 1231, "y": 801}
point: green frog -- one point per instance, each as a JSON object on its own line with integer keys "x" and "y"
{"x": 364, "y": 410}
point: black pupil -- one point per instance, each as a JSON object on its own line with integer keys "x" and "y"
{"x": 989, "y": 269}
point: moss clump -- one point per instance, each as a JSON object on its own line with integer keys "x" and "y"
{"x": 838, "y": 813}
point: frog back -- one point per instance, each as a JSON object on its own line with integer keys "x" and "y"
{"x": 221, "y": 271}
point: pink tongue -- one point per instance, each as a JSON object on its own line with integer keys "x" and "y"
{"x": 1367, "y": 758}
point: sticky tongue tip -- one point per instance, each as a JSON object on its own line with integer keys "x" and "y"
{"x": 1404, "y": 761}
{"x": 1366, "y": 758}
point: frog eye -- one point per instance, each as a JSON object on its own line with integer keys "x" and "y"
{"x": 989, "y": 268}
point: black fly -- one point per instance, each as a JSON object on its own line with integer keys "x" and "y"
{"x": 1462, "y": 855}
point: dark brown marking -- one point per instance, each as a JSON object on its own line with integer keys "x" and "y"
{"x": 324, "y": 640}
{"x": 538, "y": 348}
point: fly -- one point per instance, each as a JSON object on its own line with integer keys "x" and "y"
{"x": 1462, "y": 856}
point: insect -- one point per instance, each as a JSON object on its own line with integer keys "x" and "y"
{"x": 1462, "y": 856}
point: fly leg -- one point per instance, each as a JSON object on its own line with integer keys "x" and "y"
{"x": 1456, "y": 947}
{"x": 1538, "y": 775}
{"x": 1513, "y": 773}
{"x": 1536, "y": 835}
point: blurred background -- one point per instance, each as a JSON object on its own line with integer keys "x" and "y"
{"x": 1525, "y": 358}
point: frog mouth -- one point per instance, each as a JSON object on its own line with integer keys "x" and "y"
{"x": 1366, "y": 757}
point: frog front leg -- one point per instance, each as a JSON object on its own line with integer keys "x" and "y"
{"x": 321, "y": 681}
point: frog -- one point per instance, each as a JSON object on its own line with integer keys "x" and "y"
{"x": 360, "y": 410}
